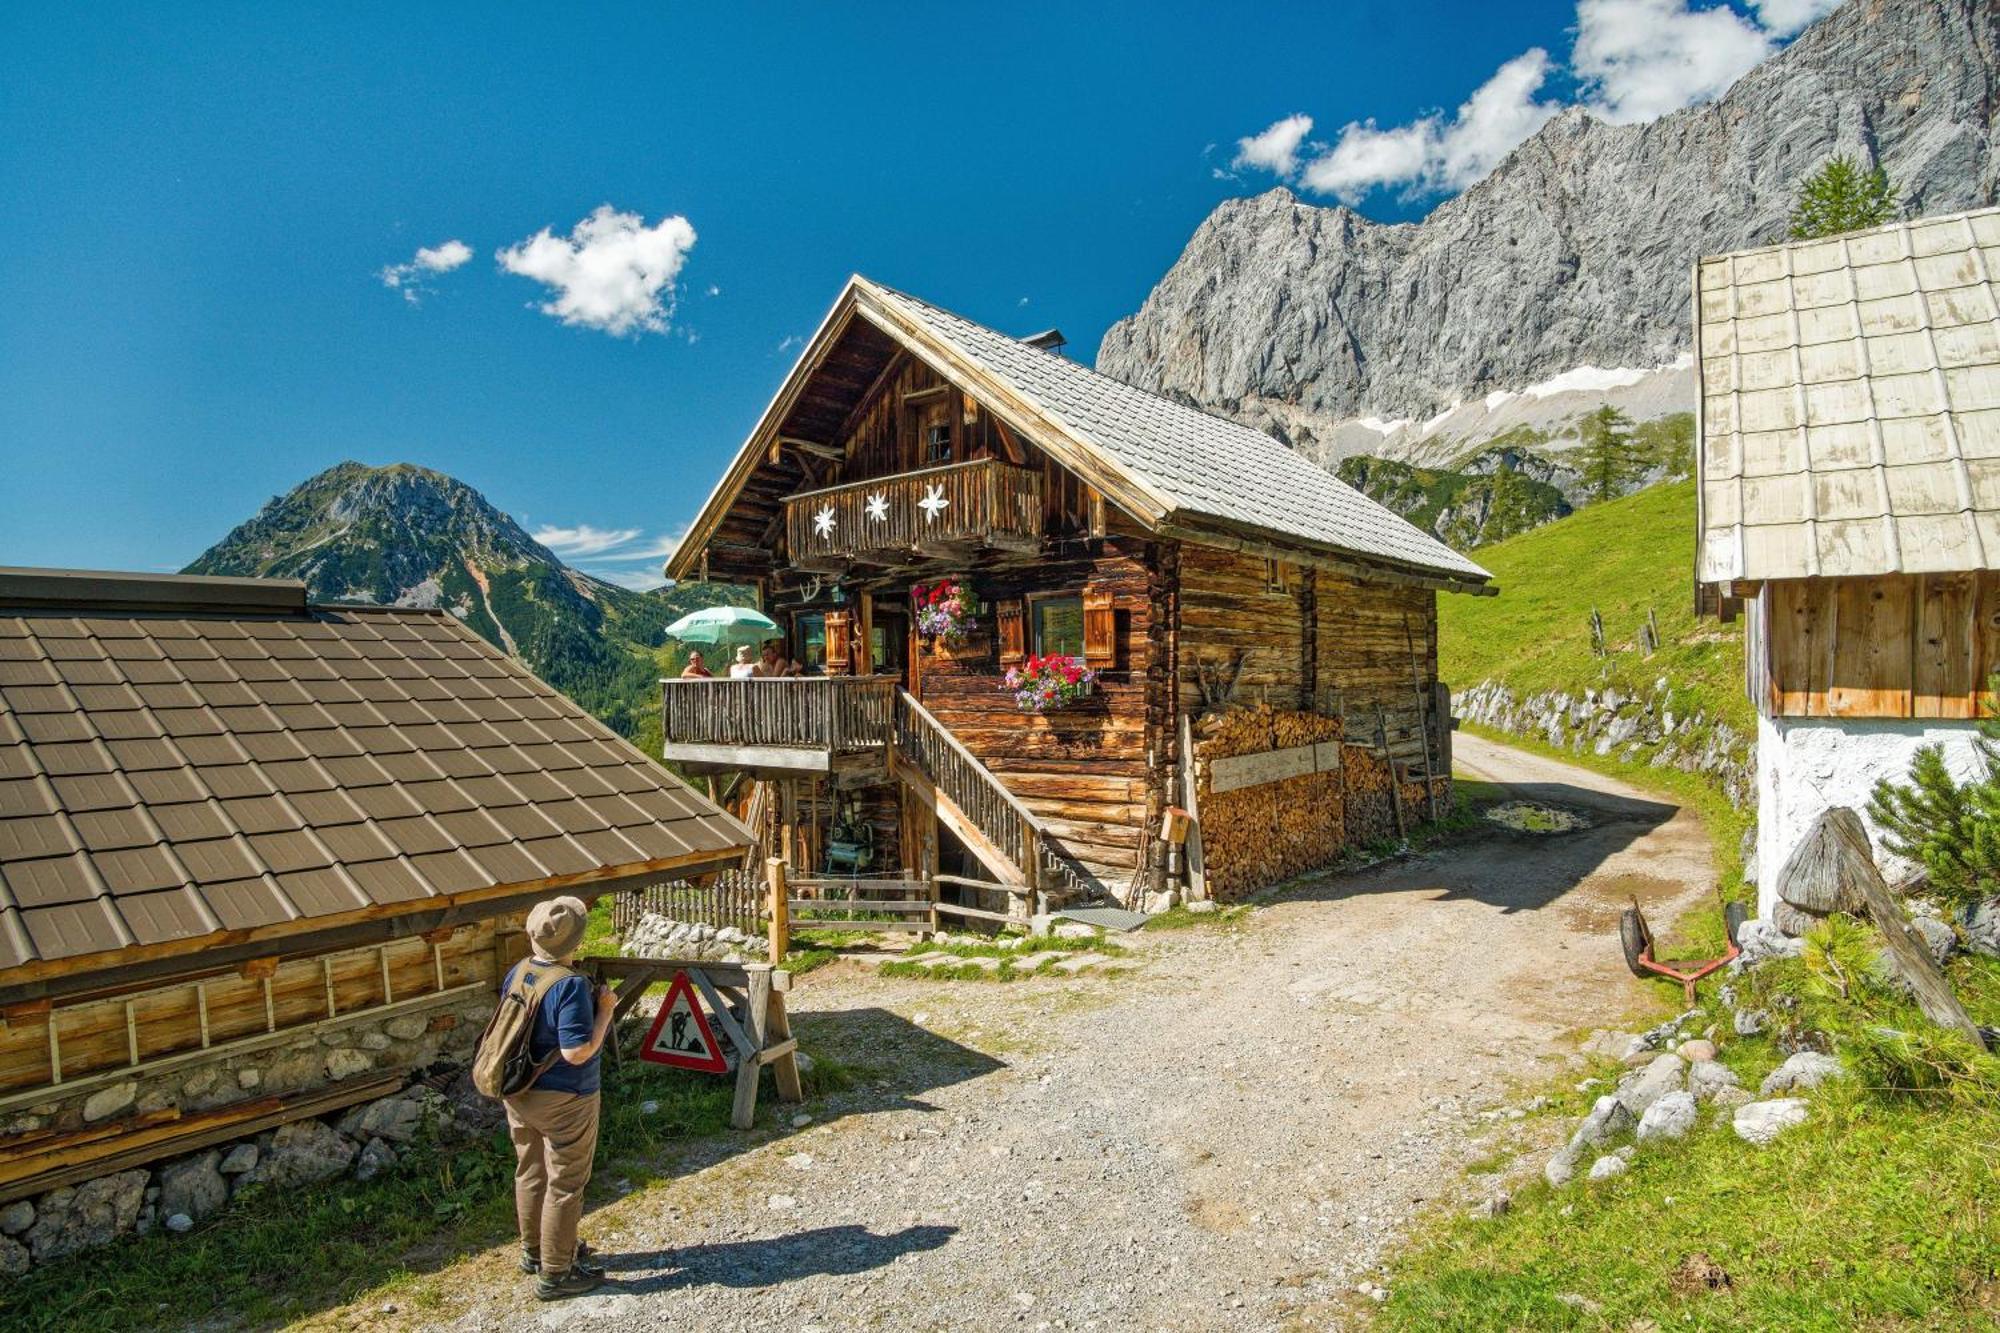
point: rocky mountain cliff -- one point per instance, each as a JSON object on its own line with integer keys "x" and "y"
{"x": 408, "y": 536}
{"x": 1342, "y": 335}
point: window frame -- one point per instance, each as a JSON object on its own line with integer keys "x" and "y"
{"x": 1035, "y": 602}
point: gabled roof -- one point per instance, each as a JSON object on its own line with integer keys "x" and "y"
{"x": 189, "y": 762}
{"x": 1850, "y": 410}
{"x": 1169, "y": 465}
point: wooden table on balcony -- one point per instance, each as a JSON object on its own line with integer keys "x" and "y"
{"x": 938, "y": 513}
{"x": 781, "y": 727}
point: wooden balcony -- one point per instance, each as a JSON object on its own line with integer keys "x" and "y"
{"x": 939, "y": 513}
{"x": 787, "y": 727}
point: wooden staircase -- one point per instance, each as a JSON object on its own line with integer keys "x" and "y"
{"x": 1008, "y": 839}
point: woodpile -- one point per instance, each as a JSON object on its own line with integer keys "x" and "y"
{"x": 1367, "y": 795}
{"x": 1257, "y": 835}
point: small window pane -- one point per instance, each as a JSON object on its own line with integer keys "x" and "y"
{"x": 812, "y": 644}
{"x": 1058, "y": 626}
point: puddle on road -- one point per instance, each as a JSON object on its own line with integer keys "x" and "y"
{"x": 1529, "y": 817}
{"x": 1609, "y": 895}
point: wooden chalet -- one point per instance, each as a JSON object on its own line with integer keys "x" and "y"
{"x": 1849, "y": 464}
{"x": 261, "y": 859}
{"x": 1246, "y": 613}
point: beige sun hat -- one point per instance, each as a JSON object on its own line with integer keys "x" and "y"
{"x": 555, "y": 927}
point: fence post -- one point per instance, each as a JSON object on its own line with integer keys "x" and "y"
{"x": 937, "y": 923}
{"x": 781, "y": 923}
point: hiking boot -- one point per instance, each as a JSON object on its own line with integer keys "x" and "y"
{"x": 573, "y": 1283}
{"x": 531, "y": 1263}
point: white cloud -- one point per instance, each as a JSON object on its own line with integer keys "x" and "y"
{"x": 1632, "y": 60}
{"x": 1276, "y": 150}
{"x": 638, "y": 580}
{"x": 791, "y": 342}
{"x": 612, "y": 272}
{"x": 1436, "y": 153}
{"x": 1640, "y": 59}
{"x": 1782, "y": 18}
{"x": 583, "y": 539}
{"x": 429, "y": 261}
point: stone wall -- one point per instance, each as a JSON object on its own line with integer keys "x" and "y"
{"x": 1642, "y": 728}
{"x": 657, "y": 936}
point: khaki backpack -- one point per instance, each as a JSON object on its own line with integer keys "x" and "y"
{"x": 502, "y": 1066}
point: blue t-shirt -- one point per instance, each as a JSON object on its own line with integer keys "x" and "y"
{"x": 567, "y": 1017}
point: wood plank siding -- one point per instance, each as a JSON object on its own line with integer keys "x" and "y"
{"x": 1891, "y": 646}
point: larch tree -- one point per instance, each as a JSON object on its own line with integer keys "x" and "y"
{"x": 1606, "y": 457}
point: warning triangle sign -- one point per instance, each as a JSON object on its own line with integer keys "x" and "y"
{"x": 681, "y": 1035}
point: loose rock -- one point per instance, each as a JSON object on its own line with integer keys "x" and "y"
{"x": 1761, "y": 1122}
{"x": 110, "y": 1101}
{"x": 302, "y": 1152}
{"x": 71, "y": 1220}
{"x": 1671, "y": 1117}
{"x": 1640, "y": 1090}
{"x": 1806, "y": 1069}
{"x": 16, "y": 1217}
{"x": 194, "y": 1187}
{"x": 1710, "y": 1077}
{"x": 1604, "y": 1168}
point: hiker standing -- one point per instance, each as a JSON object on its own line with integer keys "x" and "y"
{"x": 554, "y": 1122}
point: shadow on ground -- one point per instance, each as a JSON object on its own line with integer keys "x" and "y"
{"x": 760, "y": 1263}
{"x": 1509, "y": 869}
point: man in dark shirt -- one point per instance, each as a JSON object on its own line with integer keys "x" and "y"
{"x": 554, "y": 1123}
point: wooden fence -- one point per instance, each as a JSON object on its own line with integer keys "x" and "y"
{"x": 985, "y": 502}
{"x": 732, "y": 898}
{"x": 839, "y": 713}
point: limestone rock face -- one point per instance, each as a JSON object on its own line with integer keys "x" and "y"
{"x": 1576, "y": 250}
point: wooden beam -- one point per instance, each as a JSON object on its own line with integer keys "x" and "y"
{"x": 1345, "y": 565}
{"x": 831, "y": 452}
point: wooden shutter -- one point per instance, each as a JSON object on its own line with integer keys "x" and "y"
{"x": 1100, "y": 628}
{"x": 839, "y": 643}
{"x": 1013, "y": 632}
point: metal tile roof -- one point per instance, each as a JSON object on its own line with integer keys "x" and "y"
{"x": 1205, "y": 465}
{"x": 1851, "y": 403}
{"x": 218, "y": 770}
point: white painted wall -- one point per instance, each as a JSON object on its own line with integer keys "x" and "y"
{"x": 1809, "y": 765}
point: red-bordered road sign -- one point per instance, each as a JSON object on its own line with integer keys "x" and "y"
{"x": 681, "y": 1035}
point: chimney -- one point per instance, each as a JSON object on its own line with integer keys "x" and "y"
{"x": 1049, "y": 340}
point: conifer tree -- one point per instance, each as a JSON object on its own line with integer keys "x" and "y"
{"x": 1841, "y": 196}
{"x": 1951, "y": 828}
{"x": 1606, "y": 455}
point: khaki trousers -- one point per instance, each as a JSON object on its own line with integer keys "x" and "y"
{"x": 555, "y": 1136}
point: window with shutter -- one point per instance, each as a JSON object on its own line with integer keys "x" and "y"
{"x": 839, "y": 643}
{"x": 1013, "y": 639}
{"x": 1100, "y": 629}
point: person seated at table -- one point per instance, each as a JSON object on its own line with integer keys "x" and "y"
{"x": 775, "y": 663}
{"x": 745, "y": 665}
{"x": 696, "y": 668}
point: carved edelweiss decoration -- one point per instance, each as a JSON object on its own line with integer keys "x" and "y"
{"x": 878, "y": 507}
{"x": 823, "y": 521}
{"x": 933, "y": 502}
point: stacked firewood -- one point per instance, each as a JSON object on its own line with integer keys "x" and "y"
{"x": 1255, "y": 836}
{"x": 1368, "y": 795}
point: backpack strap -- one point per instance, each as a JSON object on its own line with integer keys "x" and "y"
{"x": 532, "y": 982}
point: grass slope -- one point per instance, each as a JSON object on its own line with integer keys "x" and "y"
{"x": 1625, "y": 558}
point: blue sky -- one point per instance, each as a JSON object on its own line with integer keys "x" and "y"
{"x": 198, "y": 205}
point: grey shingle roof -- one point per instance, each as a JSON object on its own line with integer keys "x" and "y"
{"x": 1851, "y": 403}
{"x": 172, "y": 775}
{"x": 1205, "y": 465}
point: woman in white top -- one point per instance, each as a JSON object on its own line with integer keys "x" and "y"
{"x": 745, "y": 665}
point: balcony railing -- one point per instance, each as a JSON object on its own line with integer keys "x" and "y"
{"x": 833, "y": 714}
{"x": 938, "y": 512}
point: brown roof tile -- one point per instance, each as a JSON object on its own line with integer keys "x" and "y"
{"x": 226, "y": 770}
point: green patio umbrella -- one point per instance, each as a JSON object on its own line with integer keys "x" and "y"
{"x": 724, "y": 625}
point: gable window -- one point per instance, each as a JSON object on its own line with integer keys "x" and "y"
{"x": 1057, "y": 626}
{"x": 937, "y": 442}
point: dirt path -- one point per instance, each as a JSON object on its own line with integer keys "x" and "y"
{"x": 1228, "y": 1136}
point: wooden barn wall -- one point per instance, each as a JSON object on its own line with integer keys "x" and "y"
{"x": 1234, "y": 618}
{"x": 1083, "y": 770}
{"x": 95, "y": 1034}
{"x": 1894, "y": 646}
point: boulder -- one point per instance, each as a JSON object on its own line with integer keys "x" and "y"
{"x": 109, "y": 1101}
{"x": 1761, "y": 1122}
{"x": 1710, "y": 1077}
{"x": 194, "y": 1186}
{"x": 1641, "y": 1088}
{"x": 1560, "y": 1169}
{"x": 14, "y": 1257}
{"x": 71, "y": 1220}
{"x": 1671, "y": 1117}
{"x": 1804, "y": 1070}
{"x": 376, "y": 1158}
{"x": 301, "y": 1153}
{"x": 1759, "y": 939}
{"x": 1696, "y": 1052}
{"x": 1609, "y": 1117}
{"x": 1604, "y": 1168}
{"x": 241, "y": 1158}
{"x": 1982, "y": 927}
{"x": 1938, "y": 937}
{"x": 16, "y": 1217}
{"x": 398, "y": 1119}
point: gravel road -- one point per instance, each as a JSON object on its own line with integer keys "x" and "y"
{"x": 1230, "y": 1134}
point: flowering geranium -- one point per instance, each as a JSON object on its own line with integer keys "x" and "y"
{"x": 1045, "y": 684}
{"x": 944, "y": 611}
